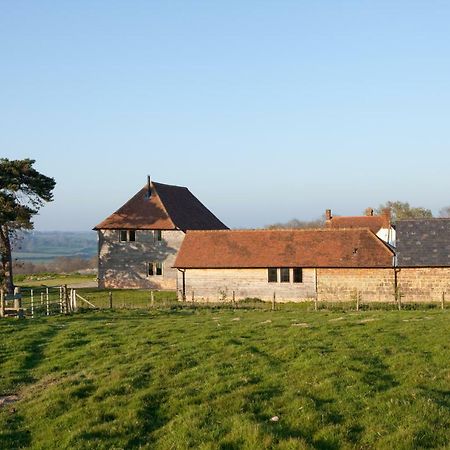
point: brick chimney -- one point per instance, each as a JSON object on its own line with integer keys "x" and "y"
{"x": 328, "y": 214}
{"x": 368, "y": 211}
{"x": 386, "y": 212}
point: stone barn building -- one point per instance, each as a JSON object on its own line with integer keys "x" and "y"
{"x": 329, "y": 264}
{"x": 138, "y": 244}
{"x": 423, "y": 259}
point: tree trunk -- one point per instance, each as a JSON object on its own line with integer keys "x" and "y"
{"x": 6, "y": 257}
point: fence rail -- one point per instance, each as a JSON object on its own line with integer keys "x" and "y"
{"x": 61, "y": 300}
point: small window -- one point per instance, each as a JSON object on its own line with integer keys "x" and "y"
{"x": 297, "y": 274}
{"x": 284, "y": 275}
{"x": 272, "y": 275}
{"x": 127, "y": 235}
{"x": 155, "y": 268}
{"x": 158, "y": 235}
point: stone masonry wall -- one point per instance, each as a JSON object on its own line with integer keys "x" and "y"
{"x": 124, "y": 264}
{"x": 424, "y": 284}
{"x": 218, "y": 285}
{"x": 373, "y": 285}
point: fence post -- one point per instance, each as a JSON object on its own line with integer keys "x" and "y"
{"x": 193, "y": 297}
{"x": 152, "y": 299}
{"x": 316, "y": 306}
{"x": 66, "y": 300}
{"x": 32, "y": 303}
{"x": 47, "y": 304}
{"x": 42, "y": 298}
{"x": 2, "y": 303}
{"x": 18, "y": 303}
{"x": 110, "y": 300}
{"x": 399, "y": 301}
{"x": 60, "y": 299}
{"x": 75, "y": 307}
{"x": 357, "y": 301}
{"x": 274, "y": 300}
{"x": 234, "y": 299}
{"x": 443, "y": 301}
{"x": 47, "y": 295}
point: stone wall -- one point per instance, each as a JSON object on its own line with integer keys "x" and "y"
{"x": 424, "y": 284}
{"x": 218, "y": 285}
{"x": 125, "y": 264}
{"x": 373, "y": 285}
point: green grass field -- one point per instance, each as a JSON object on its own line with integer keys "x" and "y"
{"x": 51, "y": 279}
{"x": 216, "y": 378}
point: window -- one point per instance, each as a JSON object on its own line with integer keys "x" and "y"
{"x": 155, "y": 268}
{"x": 297, "y": 275}
{"x": 272, "y": 275}
{"x": 127, "y": 235}
{"x": 158, "y": 235}
{"x": 284, "y": 275}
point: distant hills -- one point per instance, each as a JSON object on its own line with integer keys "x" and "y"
{"x": 45, "y": 246}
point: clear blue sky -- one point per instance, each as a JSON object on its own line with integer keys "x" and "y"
{"x": 266, "y": 110}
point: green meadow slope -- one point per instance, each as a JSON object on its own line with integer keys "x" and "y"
{"x": 224, "y": 379}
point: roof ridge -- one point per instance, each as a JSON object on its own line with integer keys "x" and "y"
{"x": 170, "y": 185}
{"x": 277, "y": 230}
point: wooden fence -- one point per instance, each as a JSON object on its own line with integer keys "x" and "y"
{"x": 42, "y": 301}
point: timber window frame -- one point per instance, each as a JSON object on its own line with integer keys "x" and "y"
{"x": 127, "y": 235}
{"x": 297, "y": 275}
{"x": 157, "y": 235}
{"x": 285, "y": 275}
{"x": 155, "y": 268}
{"x": 272, "y": 275}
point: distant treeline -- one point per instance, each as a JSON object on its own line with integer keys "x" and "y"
{"x": 54, "y": 251}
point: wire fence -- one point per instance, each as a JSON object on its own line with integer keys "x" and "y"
{"x": 44, "y": 301}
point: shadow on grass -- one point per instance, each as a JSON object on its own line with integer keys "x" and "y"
{"x": 375, "y": 373}
{"x": 35, "y": 353}
{"x": 14, "y": 434}
{"x": 152, "y": 418}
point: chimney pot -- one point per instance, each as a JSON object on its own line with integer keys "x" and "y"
{"x": 369, "y": 211}
{"x": 328, "y": 214}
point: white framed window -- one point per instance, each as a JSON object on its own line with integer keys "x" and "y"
{"x": 127, "y": 235}
{"x": 154, "y": 269}
{"x": 272, "y": 275}
{"x": 283, "y": 275}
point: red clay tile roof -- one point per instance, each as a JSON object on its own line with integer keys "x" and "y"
{"x": 351, "y": 248}
{"x": 374, "y": 223}
{"x": 169, "y": 207}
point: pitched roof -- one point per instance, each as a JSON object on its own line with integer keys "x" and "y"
{"x": 374, "y": 223}
{"x": 169, "y": 207}
{"x": 423, "y": 243}
{"x": 283, "y": 248}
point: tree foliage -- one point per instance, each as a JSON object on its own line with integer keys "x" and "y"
{"x": 403, "y": 210}
{"x": 23, "y": 191}
{"x": 295, "y": 223}
{"x": 445, "y": 212}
